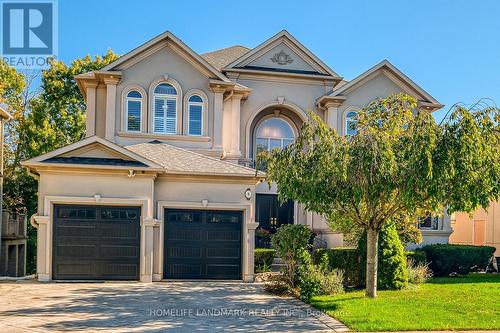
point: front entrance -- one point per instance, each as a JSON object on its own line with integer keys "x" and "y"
{"x": 96, "y": 242}
{"x": 202, "y": 244}
{"x": 271, "y": 215}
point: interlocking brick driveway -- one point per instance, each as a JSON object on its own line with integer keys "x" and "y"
{"x": 156, "y": 307}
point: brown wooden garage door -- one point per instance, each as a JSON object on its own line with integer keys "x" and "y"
{"x": 96, "y": 243}
{"x": 202, "y": 244}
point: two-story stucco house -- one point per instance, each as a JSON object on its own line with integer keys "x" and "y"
{"x": 163, "y": 185}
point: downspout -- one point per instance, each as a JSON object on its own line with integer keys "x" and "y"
{"x": 33, "y": 223}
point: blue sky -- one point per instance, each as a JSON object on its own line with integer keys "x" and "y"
{"x": 450, "y": 48}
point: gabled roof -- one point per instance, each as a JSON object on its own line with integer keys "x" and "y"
{"x": 223, "y": 57}
{"x": 181, "y": 161}
{"x": 166, "y": 37}
{"x": 69, "y": 156}
{"x": 393, "y": 73}
{"x": 283, "y": 37}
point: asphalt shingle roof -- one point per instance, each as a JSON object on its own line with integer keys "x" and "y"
{"x": 178, "y": 160}
{"x": 223, "y": 57}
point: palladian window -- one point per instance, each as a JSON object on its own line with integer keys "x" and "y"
{"x": 195, "y": 115}
{"x": 134, "y": 111}
{"x": 165, "y": 109}
{"x": 350, "y": 123}
{"x": 273, "y": 133}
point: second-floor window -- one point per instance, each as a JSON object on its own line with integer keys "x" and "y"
{"x": 273, "y": 133}
{"x": 195, "y": 115}
{"x": 165, "y": 109}
{"x": 134, "y": 111}
{"x": 351, "y": 120}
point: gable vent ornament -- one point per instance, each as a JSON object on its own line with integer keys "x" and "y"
{"x": 281, "y": 58}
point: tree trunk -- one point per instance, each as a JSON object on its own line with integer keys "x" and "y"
{"x": 371, "y": 262}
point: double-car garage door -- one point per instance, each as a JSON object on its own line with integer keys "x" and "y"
{"x": 103, "y": 243}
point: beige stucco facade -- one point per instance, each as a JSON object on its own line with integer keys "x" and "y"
{"x": 482, "y": 227}
{"x": 279, "y": 78}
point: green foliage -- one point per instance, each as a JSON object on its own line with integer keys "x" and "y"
{"x": 417, "y": 256}
{"x": 392, "y": 272}
{"x": 418, "y": 272}
{"x": 399, "y": 165}
{"x": 52, "y": 119}
{"x": 316, "y": 280}
{"x": 446, "y": 259}
{"x": 263, "y": 259}
{"x": 289, "y": 242}
{"x": 346, "y": 260}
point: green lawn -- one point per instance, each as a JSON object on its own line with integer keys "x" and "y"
{"x": 455, "y": 303}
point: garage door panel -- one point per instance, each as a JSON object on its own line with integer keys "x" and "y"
{"x": 222, "y": 271}
{"x": 68, "y": 229}
{"x": 118, "y": 252}
{"x": 183, "y": 270}
{"x": 96, "y": 242}
{"x": 202, "y": 244}
{"x": 80, "y": 251}
{"x": 183, "y": 252}
{"x": 179, "y": 233}
{"x": 222, "y": 253}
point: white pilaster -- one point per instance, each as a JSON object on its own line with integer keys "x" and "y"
{"x": 111, "y": 83}
{"x": 332, "y": 116}
{"x": 235, "y": 125}
{"x": 147, "y": 246}
{"x": 248, "y": 262}
{"x": 218, "y": 117}
{"x": 91, "y": 108}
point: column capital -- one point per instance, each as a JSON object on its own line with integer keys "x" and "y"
{"x": 326, "y": 102}
{"x": 111, "y": 80}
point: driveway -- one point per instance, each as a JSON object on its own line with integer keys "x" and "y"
{"x": 155, "y": 307}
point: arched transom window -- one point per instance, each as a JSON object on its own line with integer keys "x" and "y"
{"x": 165, "y": 109}
{"x": 351, "y": 120}
{"x": 134, "y": 111}
{"x": 195, "y": 115}
{"x": 273, "y": 133}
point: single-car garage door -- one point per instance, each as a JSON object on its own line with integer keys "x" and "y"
{"x": 96, "y": 243}
{"x": 202, "y": 244}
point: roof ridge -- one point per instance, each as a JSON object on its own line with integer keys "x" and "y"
{"x": 225, "y": 48}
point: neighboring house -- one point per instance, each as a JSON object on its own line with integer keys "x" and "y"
{"x": 163, "y": 185}
{"x": 482, "y": 227}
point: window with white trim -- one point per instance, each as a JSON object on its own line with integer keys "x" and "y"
{"x": 165, "y": 109}
{"x": 133, "y": 111}
{"x": 351, "y": 120}
{"x": 195, "y": 115}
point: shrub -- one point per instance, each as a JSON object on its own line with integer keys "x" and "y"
{"x": 263, "y": 259}
{"x": 392, "y": 272}
{"x": 344, "y": 259}
{"x": 290, "y": 241}
{"x": 317, "y": 279}
{"x": 418, "y": 272}
{"x": 446, "y": 259}
{"x": 417, "y": 256}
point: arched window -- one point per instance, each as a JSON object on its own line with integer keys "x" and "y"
{"x": 273, "y": 133}
{"x": 165, "y": 109}
{"x": 134, "y": 111}
{"x": 195, "y": 115}
{"x": 350, "y": 123}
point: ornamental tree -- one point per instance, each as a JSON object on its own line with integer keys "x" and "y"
{"x": 399, "y": 165}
